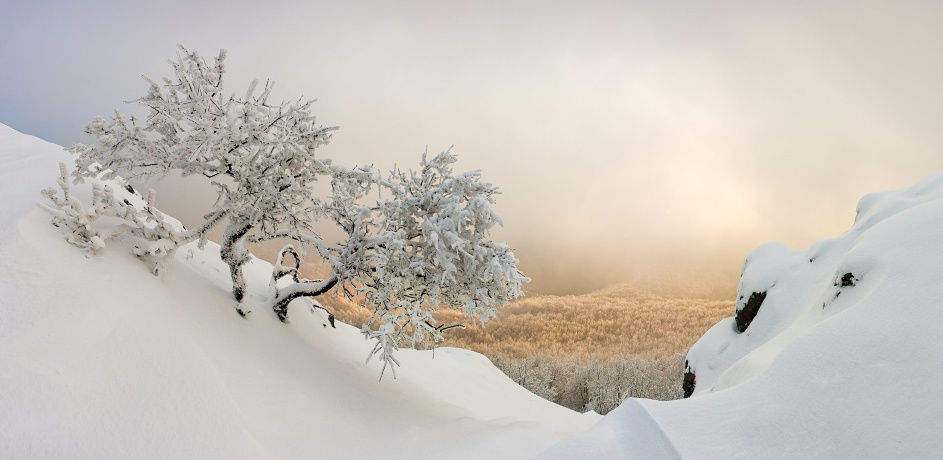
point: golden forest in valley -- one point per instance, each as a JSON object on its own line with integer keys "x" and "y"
{"x": 594, "y": 350}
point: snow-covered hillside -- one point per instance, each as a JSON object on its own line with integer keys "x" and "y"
{"x": 100, "y": 359}
{"x": 841, "y": 359}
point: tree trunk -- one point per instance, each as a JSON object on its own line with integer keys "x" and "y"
{"x": 234, "y": 253}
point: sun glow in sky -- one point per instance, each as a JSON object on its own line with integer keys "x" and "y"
{"x": 626, "y": 136}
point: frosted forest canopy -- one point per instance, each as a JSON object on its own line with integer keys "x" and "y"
{"x": 416, "y": 240}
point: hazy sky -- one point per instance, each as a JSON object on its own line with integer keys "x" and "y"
{"x": 625, "y": 135}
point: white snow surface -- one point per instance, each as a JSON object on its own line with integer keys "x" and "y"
{"x": 824, "y": 370}
{"x": 101, "y": 359}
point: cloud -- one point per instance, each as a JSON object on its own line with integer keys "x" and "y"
{"x": 624, "y": 135}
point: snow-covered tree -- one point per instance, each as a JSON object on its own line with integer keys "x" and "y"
{"x": 427, "y": 247}
{"x": 416, "y": 240}
{"x": 266, "y": 151}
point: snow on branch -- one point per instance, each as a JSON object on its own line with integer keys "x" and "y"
{"x": 415, "y": 241}
{"x": 158, "y": 237}
{"x": 430, "y": 249}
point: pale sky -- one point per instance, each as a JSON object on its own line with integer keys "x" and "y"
{"x": 626, "y": 136}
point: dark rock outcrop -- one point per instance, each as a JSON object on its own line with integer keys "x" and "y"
{"x": 746, "y": 314}
{"x": 687, "y": 385}
{"x": 848, "y": 280}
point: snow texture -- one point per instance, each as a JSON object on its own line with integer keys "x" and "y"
{"x": 100, "y": 359}
{"x": 424, "y": 244}
{"x": 841, "y": 360}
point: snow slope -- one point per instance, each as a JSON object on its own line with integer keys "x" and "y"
{"x": 101, "y": 359}
{"x": 842, "y": 360}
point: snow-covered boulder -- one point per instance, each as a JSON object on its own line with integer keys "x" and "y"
{"x": 783, "y": 292}
{"x": 834, "y": 352}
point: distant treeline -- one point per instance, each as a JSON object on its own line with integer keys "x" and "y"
{"x": 613, "y": 323}
{"x": 593, "y": 385}
{"x": 592, "y": 351}
{"x": 587, "y": 352}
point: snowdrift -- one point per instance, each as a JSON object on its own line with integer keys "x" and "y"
{"x": 101, "y": 359}
{"x": 834, "y": 351}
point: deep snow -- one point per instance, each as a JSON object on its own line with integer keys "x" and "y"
{"x": 101, "y": 359}
{"x": 832, "y": 366}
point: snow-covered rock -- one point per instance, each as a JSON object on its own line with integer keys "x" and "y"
{"x": 790, "y": 292}
{"x": 839, "y": 357}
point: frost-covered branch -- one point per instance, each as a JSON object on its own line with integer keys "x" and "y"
{"x": 158, "y": 237}
{"x": 266, "y": 150}
{"x": 415, "y": 242}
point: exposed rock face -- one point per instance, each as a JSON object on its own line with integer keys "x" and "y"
{"x": 746, "y": 314}
{"x": 848, "y": 280}
{"x": 687, "y": 385}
